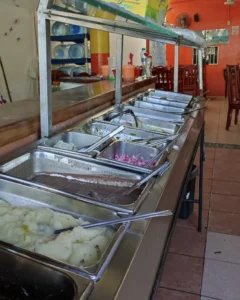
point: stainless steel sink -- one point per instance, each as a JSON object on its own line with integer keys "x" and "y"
{"x": 22, "y": 278}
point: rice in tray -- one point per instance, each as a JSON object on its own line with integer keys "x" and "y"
{"x": 31, "y": 229}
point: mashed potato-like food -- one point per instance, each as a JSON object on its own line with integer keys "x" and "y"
{"x": 31, "y": 228}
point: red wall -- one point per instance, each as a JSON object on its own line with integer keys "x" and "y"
{"x": 213, "y": 15}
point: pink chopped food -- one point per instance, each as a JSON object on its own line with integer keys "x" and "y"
{"x": 135, "y": 160}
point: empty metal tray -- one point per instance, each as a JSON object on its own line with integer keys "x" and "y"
{"x": 164, "y": 102}
{"x": 21, "y": 195}
{"x": 170, "y": 96}
{"x": 79, "y": 140}
{"x": 158, "y": 115}
{"x": 127, "y": 135}
{"x": 92, "y": 181}
{"x": 146, "y": 123}
{"x": 124, "y": 148}
{"x": 157, "y": 107}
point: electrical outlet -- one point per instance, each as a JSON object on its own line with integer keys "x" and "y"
{"x": 228, "y": 22}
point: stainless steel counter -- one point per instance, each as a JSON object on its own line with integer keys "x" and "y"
{"x": 132, "y": 270}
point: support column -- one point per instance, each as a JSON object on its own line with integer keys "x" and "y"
{"x": 200, "y": 72}
{"x": 100, "y": 46}
{"x": 176, "y": 68}
{"x": 119, "y": 54}
{"x": 44, "y": 54}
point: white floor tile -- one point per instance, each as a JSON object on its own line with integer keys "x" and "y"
{"x": 221, "y": 280}
{"x": 223, "y": 247}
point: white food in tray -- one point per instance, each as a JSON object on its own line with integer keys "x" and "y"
{"x": 28, "y": 228}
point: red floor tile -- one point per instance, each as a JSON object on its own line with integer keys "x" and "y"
{"x": 226, "y": 188}
{"x": 183, "y": 273}
{"x": 206, "y": 200}
{"x": 166, "y": 294}
{"x": 223, "y": 222}
{"x": 227, "y": 170}
{"x": 208, "y": 173}
{"x": 192, "y": 221}
{"x": 188, "y": 242}
{"x": 225, "y": 203}
{"x": 207, "y": 185}
{"x": 228, "y": 155}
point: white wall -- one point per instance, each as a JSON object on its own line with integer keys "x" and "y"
{"x": 17, "y": 55}
{"x": 131, "y": 45}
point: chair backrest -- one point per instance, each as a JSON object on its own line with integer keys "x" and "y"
{"x": 163, "y": 76}
{"x": 231, "y": 83}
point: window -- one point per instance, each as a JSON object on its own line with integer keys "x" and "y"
{"x": 210, "y": 56}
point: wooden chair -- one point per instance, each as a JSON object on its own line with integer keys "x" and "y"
{"x": 233, "y": 93}
{"x": 163, "y": 76}
{"x": 190, "y": 80}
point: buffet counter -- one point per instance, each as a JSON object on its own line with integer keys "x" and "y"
{"x": 131, "y": 267}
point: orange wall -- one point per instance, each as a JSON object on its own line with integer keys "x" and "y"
{"x": 213, "y": 15}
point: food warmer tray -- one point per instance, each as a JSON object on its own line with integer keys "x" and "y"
{"x": 17, "y": 194}
{"x": 79, "y": 179}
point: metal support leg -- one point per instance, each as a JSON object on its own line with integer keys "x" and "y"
{"x": 176, "y": 67}
{"x": 118, "y": 90}
{"x": 201, "y": 180}
{"x": 200, "y": 72}
{"x": 44, "y": 50}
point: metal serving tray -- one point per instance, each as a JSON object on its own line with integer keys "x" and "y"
{"x": 162, "y": 108}
{"x": 146, "y": 124}
{"x": 131, "y": 149}
{"x": 170, "y": 96}
{"x": 24, "y": 278}
{"x": 79, "y": 140}
{"x": 127, "y": 135}
{"x": 22, "y": 195}
{"x": 87, "y": 180}
{"x": 164, "y": 102}
{"x": 158, "y": 115}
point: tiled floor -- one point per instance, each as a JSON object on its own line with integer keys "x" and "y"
{"x": 204, "y": 266}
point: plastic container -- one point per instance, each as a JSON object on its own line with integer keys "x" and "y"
{"x": 75, "y": 29}
{"x": 142, "y": 55}
{"x": 105, "y": 71}
{"x": 67, "y": 70}
{"x": 112, "y": 66}
{"x": 59, "y": 29}
{"x": 187, "y": 206}
{"x": 81, "y": 6}
{"x": 77, "y": 70}
{"x": 61, "y": 51}
{"x": 76, "y": 51}
{"x": 128, "y": 73}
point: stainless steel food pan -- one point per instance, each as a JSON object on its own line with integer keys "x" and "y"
{"x": 146, "y": 123}
{"x": 22, "y": 277}
{"x": 164, "y": 102}
{"x": 127, "y": 135}
{"x": 158, "y": 115}
{"x": 124, "y": 148}
{"x": 170, "y": 96}
{"x": 21, "y": 195}
{"x": 157, "y": 107}
{"x": 93, "y": 181}
{"x": 79, "y": 140}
